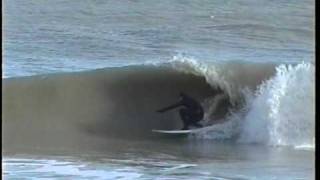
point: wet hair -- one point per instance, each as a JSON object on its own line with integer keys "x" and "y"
{"x": 182, "y": 94}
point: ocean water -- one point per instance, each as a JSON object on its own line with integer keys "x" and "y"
{"x": 82, "y": 81}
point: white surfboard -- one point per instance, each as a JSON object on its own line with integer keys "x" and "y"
{"x": 172, "y": 131}
{"x": 189, "y": 131}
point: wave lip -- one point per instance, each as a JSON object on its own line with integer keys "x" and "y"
{"x": 277, "y": 102}
{"x": 230, "y": 76}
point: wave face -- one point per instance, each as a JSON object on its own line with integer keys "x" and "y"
{"x": 246, "y": 102}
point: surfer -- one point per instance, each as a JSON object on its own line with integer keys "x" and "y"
{"x": 191, "y": 113}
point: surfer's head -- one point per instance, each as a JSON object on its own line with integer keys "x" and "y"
{"x": 182, "y": 94}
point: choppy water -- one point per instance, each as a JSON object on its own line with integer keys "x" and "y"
{"x": 55, "y": 36}
{"x": 250, "y": 63}
{"x": 169, "y": 160}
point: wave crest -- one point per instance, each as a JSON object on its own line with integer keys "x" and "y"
{"x": 275, "y": 103}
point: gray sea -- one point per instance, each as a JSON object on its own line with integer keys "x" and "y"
{"x": 82, "y": 81}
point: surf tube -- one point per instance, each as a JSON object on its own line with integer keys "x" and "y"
{"x": 252, "y": 102}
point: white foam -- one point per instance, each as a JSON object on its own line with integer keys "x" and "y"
{"x": 283, "y": 111}
{"x": 280, "y": 110}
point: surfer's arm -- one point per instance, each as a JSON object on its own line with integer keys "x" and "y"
{"x": 170, "y": 107}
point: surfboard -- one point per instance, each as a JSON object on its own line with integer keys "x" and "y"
{"x": 189, "y": 131}
{"x": 172, "y": 131}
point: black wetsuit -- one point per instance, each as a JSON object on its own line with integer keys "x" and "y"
{"x": 191, "y": 113}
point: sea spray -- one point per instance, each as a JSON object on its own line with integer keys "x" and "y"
{"x": 283, "y": 110}
{"x": 274, "y": 108}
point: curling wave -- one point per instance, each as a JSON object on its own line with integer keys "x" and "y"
{"x": 249, "y": 102}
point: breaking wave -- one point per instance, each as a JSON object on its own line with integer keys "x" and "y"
{"x": 264, "y": 103}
